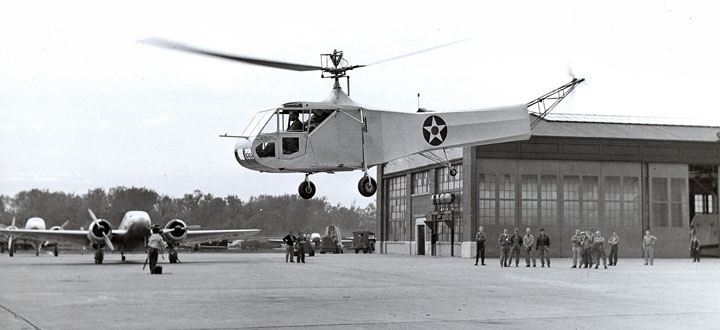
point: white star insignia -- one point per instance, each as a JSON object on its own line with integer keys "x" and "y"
{"x": 439, "y": 128}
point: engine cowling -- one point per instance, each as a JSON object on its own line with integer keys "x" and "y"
{"x": 96, "y": 230}
{"x": 175, "y": 231}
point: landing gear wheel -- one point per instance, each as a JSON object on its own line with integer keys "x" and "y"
{"x": 122, "y": 258}
{"x": 306, "y": 189}
{"x": 367, "y": 186}
{"x": 357, "y": 250}
{"x": 37, "y": 252}
{"x": 453, "y": 171}
{"x": 99, "y": 256}
{"x": 12, "y": 250}
{"x": 55, "y": 251}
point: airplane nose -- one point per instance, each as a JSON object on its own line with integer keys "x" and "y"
{"x": 244, "y": 154}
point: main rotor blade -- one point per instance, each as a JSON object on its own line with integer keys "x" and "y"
{"x": 250, "y": 60}
{"x": 421, "y": 51}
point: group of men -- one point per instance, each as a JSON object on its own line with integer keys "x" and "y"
{"x": 511, "y": 245}
{"x": 587, "y": 248}
{"x": 293, "y": 243}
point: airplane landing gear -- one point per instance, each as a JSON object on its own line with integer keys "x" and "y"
{"x": 307, "y": 188}
{"x": 99, "y": 256}
{"x": 367, "y": 186}
{"x": 122, "y": 256}
{"x": 172, "y": 256}
{"x": 12, "y": 250}
{"x": 55, "y": 250}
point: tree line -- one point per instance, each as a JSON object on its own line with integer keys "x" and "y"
{"x": 275, "y": 215}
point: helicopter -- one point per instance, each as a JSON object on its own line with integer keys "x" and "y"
{"x": 338, "y": 134}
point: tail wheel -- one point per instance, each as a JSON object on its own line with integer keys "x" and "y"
{"x": 306, "y": 190}
{"x": 367, "y": 186}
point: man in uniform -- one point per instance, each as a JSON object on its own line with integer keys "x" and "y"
{"x": 599, "y": 249}
{"x": 155, "y": 245}
{"x": 504, "y": 241}
{"x": 516, "y": 241}
{"x": 695, "y": 249}
{"x": 480, "y": 239}
{"x": 576, "y": 248}
{"x": 300, "y": 244}
{"x": 591, "y": 236}
{"x": 647, "y": 244}
{"x": 289, "y": 241}
{"x": 542, "y": 245}
{"x": 586, "y": 249}
{"x": 528, "y": 242}
{"x": 613, "y": 241}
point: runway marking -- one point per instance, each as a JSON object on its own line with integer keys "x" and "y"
{"x": 20, "y": 317}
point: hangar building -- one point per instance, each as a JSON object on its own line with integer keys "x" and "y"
{"x": 610, "y": 173}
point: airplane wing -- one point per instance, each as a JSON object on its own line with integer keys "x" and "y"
{"x": 75, "y": 237}
{"x": 201, "y": 236}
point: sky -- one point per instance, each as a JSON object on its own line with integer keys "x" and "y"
{"x": 84, "y": 105}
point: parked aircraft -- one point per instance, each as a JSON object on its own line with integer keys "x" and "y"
{"x": 130, "y": 236}
{"x": 34, "y": 223}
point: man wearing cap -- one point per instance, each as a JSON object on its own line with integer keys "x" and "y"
{"x": 480, "y": 239}
{"x": 516, "y": 241}
{"x": 576, "y": 248}
{"x": 542, "y": 245}
{"x": 599, "y": 250}
{"x": 301, "y": 247}
{"x": 155, "y": 245}
{"x": 613, "y": 241}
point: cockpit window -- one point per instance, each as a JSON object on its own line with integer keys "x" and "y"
{"x": 258, "y": 122}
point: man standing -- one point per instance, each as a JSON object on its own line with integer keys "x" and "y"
{"x": 516, "y": 241}
{"x": 591, "y": 235}
{"x": 301, "y": 240}
{"x": 504, "y": 241}
{"x": 695, "y": 249}
{"x": 647, "y": 244}
{"x": 289, "y": 241}
{"x": 599, "y": 249}
{"x": 576, "y": 248}
{"x": 586, "y": 249}
{"x": 528, "y": 242}
{"x": 155, "y": 246}
{"x": 542, "y": 245}
{"x": 613, "y": 241}
{"x": 480, "y": 239}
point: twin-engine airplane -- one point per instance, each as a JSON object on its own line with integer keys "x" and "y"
{"x": 338, "y": 134}
{"x": 131, "y": 235}
{"x": 34, "y": 223}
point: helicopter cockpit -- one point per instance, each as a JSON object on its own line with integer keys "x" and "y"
{"x": 289, "y": 124}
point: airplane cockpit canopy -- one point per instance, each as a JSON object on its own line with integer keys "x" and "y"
{"x": 286, "y": 119}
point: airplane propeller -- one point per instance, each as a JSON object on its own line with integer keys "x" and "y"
{"x": 10, "y": 238}
{"x": 97, "y": 224}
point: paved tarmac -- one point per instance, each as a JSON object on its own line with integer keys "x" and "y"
{"x": 240, "y": 290}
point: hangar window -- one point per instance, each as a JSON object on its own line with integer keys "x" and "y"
{"x": 397, "y": 205}
{"x": 631, "y": 201}
{"x": 486, "y": 193}
{"x": 451, "y": 184}
{"x": 447, "y": 182}
{"x": 529, "y": 201}
{"x": 548, "y": 200}
{"x": 506, "y": 200}
{"x": 420, "y": 183}
{"x": 590, "y": 201}
{"x": 660, "y": 202}
{"x": 677, "y": 200}
{"x": 613, "y": 201}
{"x": 571, "y": 200}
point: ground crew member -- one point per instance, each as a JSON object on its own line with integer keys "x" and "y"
{"x": 599, "y": 249}
{"x": 591, "y": 235}
{"x": 647, "y": 244}
{"x": 155, "y": 245}
{"x": 289, "y": 241}
{"x": 504, "y": 242}
{"x": 301, "y": 247}
{"x": 480, "y": 239}
{"x": 542, "y": 245}
{"x": 695, "y": 249}
{"x": 613, "y": 241}
{"x": 516, "y": 241}
{"x": 586, "y": 249}
{"x": 576, "y": 248}
{"x": 528, "y": 242}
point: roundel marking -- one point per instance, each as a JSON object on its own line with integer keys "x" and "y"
{"x": 434, "y": 130}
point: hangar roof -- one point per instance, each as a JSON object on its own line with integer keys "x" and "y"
{"x": 626, "y": 127}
